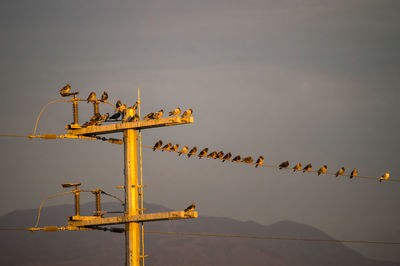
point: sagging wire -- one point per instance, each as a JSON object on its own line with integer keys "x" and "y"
{"x": 276, "y": 166}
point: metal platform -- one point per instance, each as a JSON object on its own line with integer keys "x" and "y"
{"x": 81, "y": 221}
{"x": 119, "y": 127}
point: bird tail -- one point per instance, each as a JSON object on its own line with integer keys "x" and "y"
{"x": 256, "y": 165}
{"x": 179, "y": 153}
{"x": 189, "y": 155}
{"x": 336, "y": 175}
{"x": 380, "y": 180}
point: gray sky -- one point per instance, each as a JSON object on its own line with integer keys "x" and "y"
{"x": 309, "y": 81}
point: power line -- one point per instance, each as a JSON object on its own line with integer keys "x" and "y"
{"x": 277, "y": 238}
{"x": 291, "y": 169}
{"x": 252, "y": 237}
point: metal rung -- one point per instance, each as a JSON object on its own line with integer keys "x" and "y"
{"x": 143, "y": 256}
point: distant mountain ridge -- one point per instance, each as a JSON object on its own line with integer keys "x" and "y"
{"x": 104, "y": 248}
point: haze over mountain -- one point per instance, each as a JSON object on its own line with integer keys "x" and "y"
{"x": 104, "y": 248}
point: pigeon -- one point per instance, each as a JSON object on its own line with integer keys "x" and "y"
{"x": 259, "y": 161}
{"x": 174, "y": 148}
{"x": 167, "y": 147}
{"x": 159, "y": 114}
{"x": 322, "y": 170}
{"x": 247, "y": 160}
{"x": 135, "y": 106}
{"x": 118, "y": 104}
{"x": 115, "y": 116}
{"x": 307, "y": 168}
{"x": 190, "y": 208}
{"x": 184, "y": 150}
{"x": 220, "y": 155}
{"x": 212, "y": 155}
{"x": 227, "y": 157}
{"x": 192, "y": 151}
{"x": 354, "y": 173}
{"x": 176, "y": 111}
{"x": 104, "y": 97}
{"x": 236, "y": 159}
{"x": 91, "y": 97}
{"x": 105, "y": 117}
{"x": 65, "y": 91}
{"x": 384, "y": 177}
{"x": 340, "y": 171}
{"x": 120, "y": 108}
{"x": 284, "y": 165}
{"x": 187, "y": 113}
{"x": 297, "y": 167}
{"x": 133, "y": 118}
{"x": 203, "y": 153}
{"x": 157, "y": 145}
{"x": 149, "y": 116}
{"x": 96, "y": 117}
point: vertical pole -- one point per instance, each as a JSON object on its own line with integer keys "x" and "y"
{"x": 75, "y": 111}
{"x": 141, "y": 180}
{"x": 77, "y": 203}
{"x": 132, "y": 236}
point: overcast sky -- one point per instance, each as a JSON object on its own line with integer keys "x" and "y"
{"x": 304, "y": 81}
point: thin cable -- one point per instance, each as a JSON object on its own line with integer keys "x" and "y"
{"x": 53, "y": 196}
{"x": 13, "y": 135}
{"x": 55, "y": 101}
{"x": 279, "y": 238}
{"x": 115, "y": 197}
{"x": 291, "y": 169}
{"x": 43, "y": 108}
{"x": 14, "y": 229}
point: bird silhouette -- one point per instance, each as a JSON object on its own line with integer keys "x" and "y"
{"x": 167, "y": 147}
{"x": 354, "y": 173}
{"x": 118, "y": 104}
{"x": 104, "y": 97}
{"x": 105, "y": 117}
{"x": 192, "y": 151}
{"x": 115, "y": 116}
{"x": 65, "y": 91}
{"x": 190, "y": 208}
{"x": 384, "y": 177}
{"x": 227, "y": 157}
{"x": 322, "y": 170}
{"x": 133, "y": 118}
{"x": 220, "y": 155}
{"x": 176, "y": 111}
{"x": 157, "y": 145}
{"x": 203, "y": 153}
{"x": 236, "y": 159}
{"x": 259, "y": 161}
{"x": 247, "y": 160}
{"x": 187, "y": 113}
{"x": 96, "y": 117}
{"x": 340, "y": 171}
{"x": 149, "y": 116}
{"x": 297, "y": 167}
{"x": 91, "y": 97}
{"x": 184, "y": 150}
{"x": 212, "y": 155}
{"x": 307, "y": 168}
{"x": 175, "y": 147}
{"x": 284, "y": 165}
{"x": 159, "y": 114}
{"x": 135, "y": 106}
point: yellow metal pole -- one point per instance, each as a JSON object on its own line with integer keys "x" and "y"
{"x": 132, "y": 236}
{"x": 141, "y": 179}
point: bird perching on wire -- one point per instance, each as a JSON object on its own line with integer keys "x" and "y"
{"x": 384, "y": 177}
{"x": 322, "y": 170}
{"x": 190, "y": 208}
{"x": 340, "y": 171}
{"x": 192, "y": 151}
{"x": 175, "y": 112}
{"x": 92, "y": 97}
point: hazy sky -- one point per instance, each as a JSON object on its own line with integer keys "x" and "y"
{"x": 309, "y": 81}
